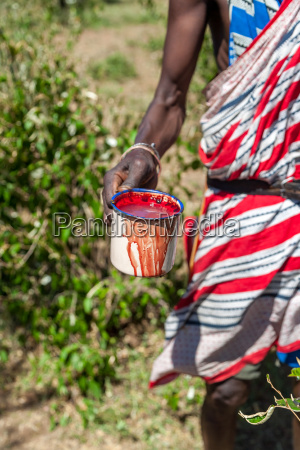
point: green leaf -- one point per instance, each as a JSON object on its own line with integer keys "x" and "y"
{"x": 64, "y": 420}
{"x": 3, "y": 356}
{"x": 295, "y": 373}
{"x": 291, "y": 403}
{"x": 95, "y": 389}
{"x": 65, "y": 234}
{"x": 77, "y": 362}
{"x": 66, "y": 351}
{"x": 87, "y": 305}
{"x": 258, "y": 418}
{"x": 14, "y": 249}
{"x": 173, "y": 400}
{"x": 53, "y": 423}
{"x": 28, "y": 125}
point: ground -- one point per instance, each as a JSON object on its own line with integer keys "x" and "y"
{"x": 130, "y": 416}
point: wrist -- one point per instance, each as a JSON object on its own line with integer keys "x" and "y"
{"x": 151, "y": 147}
{"x": 146, "y": 150}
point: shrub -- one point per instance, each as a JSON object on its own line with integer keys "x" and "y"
{"x": 58, "y": 292}
{"x": 53, "y": 152}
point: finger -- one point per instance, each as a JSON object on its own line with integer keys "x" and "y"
{"x": 112, "y": 180}
{"x": 151, "y": 183}
{"x": 136, "y": 176}
{"x": 107, "y": 216}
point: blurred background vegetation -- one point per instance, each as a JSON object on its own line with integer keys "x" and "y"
{"x": 77, "y": 338}
{"x": 76, "y": 78}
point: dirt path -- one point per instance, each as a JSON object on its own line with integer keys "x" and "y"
{"x": 96, "y": 45}
{"x": 28, "y": 429}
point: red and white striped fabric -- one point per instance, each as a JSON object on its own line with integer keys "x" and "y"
{"x": 244, "y": 294}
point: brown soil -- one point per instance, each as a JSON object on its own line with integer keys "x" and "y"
{"x": 96, "y": 45}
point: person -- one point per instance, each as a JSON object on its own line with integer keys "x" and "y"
{"x": 244, "y": 292}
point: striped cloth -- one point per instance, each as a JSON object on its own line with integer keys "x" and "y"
{"x": 244, "y": 294}
{"x": 247, "y": 19}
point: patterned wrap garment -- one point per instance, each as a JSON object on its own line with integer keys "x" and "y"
{"x": 244, "y": 293}
{"x": 247, "y": 20}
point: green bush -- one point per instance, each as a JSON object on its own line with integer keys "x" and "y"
{"x": 52, "y": 153}
{"x": 59, "y": 293}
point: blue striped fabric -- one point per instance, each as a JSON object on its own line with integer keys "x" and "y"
{"x": 247, "y": 19}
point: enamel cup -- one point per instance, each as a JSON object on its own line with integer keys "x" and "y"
{"x": 144, "y": 232}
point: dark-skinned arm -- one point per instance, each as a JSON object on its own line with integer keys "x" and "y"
{"x": 187, "y": 21}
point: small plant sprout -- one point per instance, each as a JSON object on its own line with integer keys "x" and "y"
{"x": 291, "y": 404}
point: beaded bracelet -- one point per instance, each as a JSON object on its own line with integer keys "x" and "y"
{"x": 149, "y": 148}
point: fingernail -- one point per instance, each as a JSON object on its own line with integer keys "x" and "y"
{"x": 124, "y": 188}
